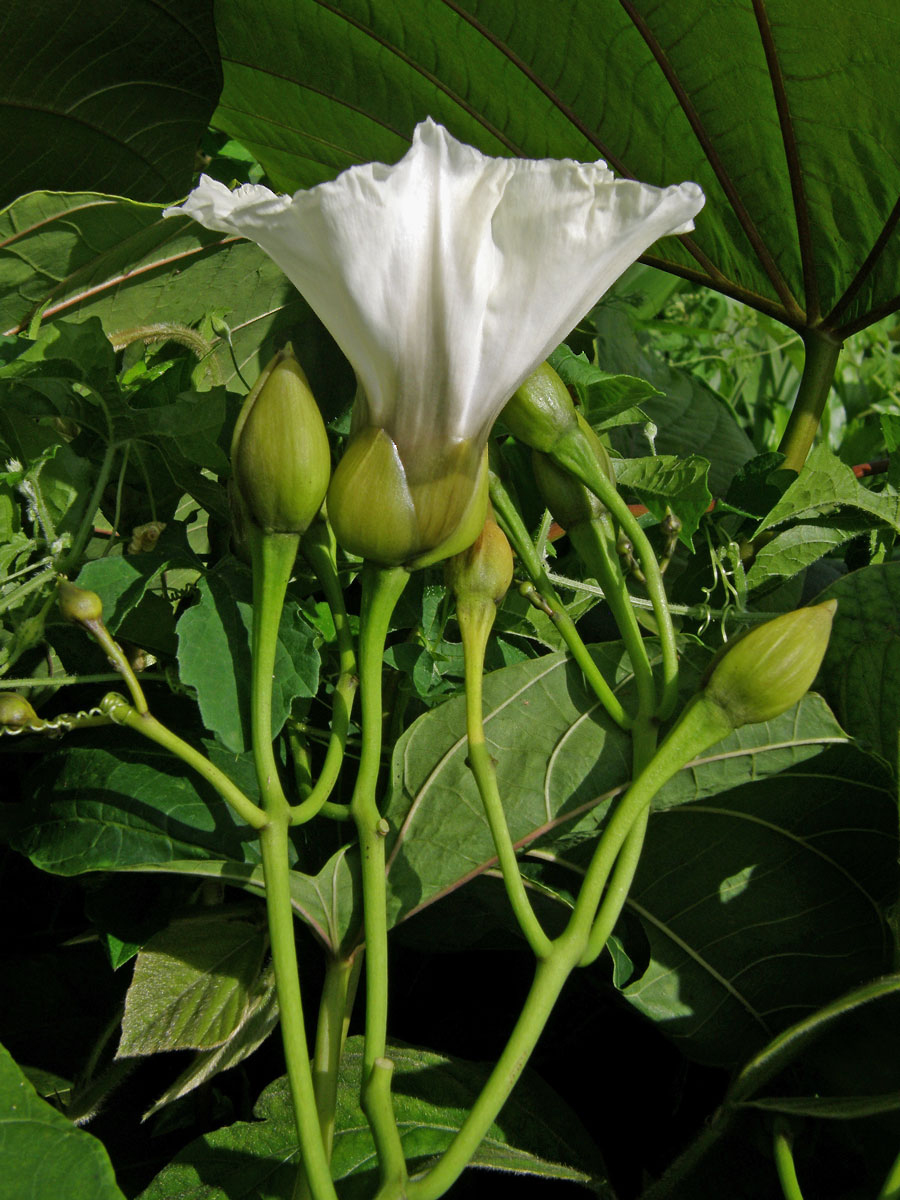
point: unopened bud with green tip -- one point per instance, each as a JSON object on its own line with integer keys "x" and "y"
{"x": 279, "y": 452}
{"x": 15, "y": 711}
{"x": 767, "y": 670}
{"x": 541, "y": 412}
{"x": 484, "y": 571}
{"x": 78, "y": 604}
{"x": 567, "y": 498}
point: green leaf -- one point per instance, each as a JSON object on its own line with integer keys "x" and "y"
{"x": 861, "y": 672}
{"x": 608, "y": 400}
{"x": 826, "y": 484}
{"x": 776, "y": 905}
{"x": 191, "y": 985}
{"x": 536, "y": 1134}
{"x": 85, "y": 254}
{"x": 560, "y": 765}
{"x": 783, "y": 126}
{"x": 258, "y": 1019}
{"x": 95, "y": 809}
{"x": 214, "y": 656}
{"x": 799, "y": 546}
{"x": 841, "y": 1108}
{"x": 122, "y": 580}
{"x": 663, "y": 482}
{"x": 42, "y": 1154}
{"x": 129, "y": 118}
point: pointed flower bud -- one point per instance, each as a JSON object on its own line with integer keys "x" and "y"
{"x": 485, "y": 569}
{"x": 78, "y": 604}
{"x": 541, "y": 412}
{"x": 767, "y": 670}
{"x": 15, "y": 711}
{"x": 568, "y": 499}
{"x": 279, "y": 452}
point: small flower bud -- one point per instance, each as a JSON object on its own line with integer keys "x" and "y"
{"x": 568, "y": 499}
{"x": 541, "y": 411}
{"x": 15, "y": 711}
{"x": 279, "y": 452}
{"x": 765, "y": 671}
{"x": 78, "y": 604}
{"x": 485, "y": 569}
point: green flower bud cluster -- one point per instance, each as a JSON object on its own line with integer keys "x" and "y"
{"x": 767, "y": 670}
{"x": 279, "y": 452}
{"x": 397, "y": 514}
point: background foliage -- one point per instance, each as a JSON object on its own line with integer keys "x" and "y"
{"x": 767, "y": 889}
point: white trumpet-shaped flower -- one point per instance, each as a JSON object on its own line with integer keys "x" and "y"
{"x": 445, "y": 279}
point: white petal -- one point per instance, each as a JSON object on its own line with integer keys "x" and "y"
{"x": 448, "y": 277}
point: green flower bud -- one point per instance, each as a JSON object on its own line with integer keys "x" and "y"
{"x": 568, "y": 499}
{"x": 485, "y": 569}
{"x": 541, "y": 411}
{"x": 394, "y": 516}
{"x": 765, "y": 671}
{"x": 279, "y": 452}
{"x": 15, "y": 711}
{"x": 78, "y": 604}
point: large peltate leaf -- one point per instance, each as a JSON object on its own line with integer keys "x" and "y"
{"x": 784, "y": 125}
{"x": 113, "y": 95}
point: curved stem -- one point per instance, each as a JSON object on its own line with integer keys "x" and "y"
{"x": 121, "y": 712}
{"x": 382, "y": 589}
{"x": 476, "y": 619}
{"x": 822, "y": 355}
{"x": 273, "y": 557}
{"x": 511, "y": 523}
{"x": 576, "y": 455}
{"x": 550, "y": 976}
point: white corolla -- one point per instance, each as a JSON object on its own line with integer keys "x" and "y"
{"x": 445, "y": 279}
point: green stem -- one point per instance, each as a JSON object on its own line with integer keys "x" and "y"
{"x": 382, "y": 589}
{"x": 121, "y": 712}
{"x": 119, "y": 660}
{"x": 273, "y": 556}
{"x": 380, "y": 1111}
{"x": 577, "y": 456}
{"x": 75, "y": 551}
{"x": 315, "y": 1167}
{"x": 590, "y": 541}
{"x": 476, "y": 618}
{"x": 341, "y": 976}
{"x": 511, "y": 523}
{"x": 822, "y": 355}
{"x": 701, "y": 724}
{"x": 319, "y": 548}
{"x": 550, "y": 976}
{"x": 782, "y": 1146}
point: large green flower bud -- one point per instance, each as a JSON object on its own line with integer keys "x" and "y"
{"x": 280, "y": 453}
{"x": 767, "y": 670}
{"x": 568, "y": 499}
{"x": 541, "y": 411}
{"x": 485, "y": 569}
{"x": 396, "y": 515}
